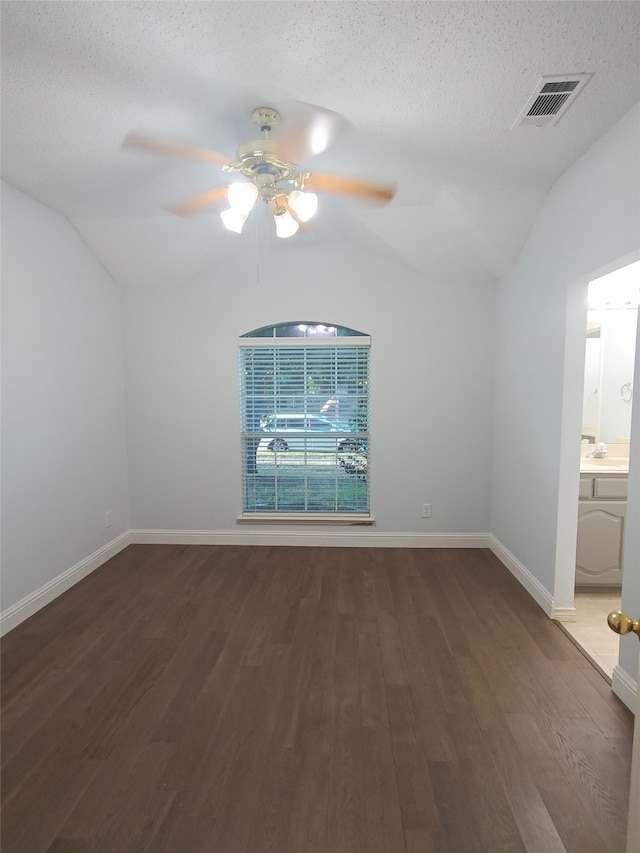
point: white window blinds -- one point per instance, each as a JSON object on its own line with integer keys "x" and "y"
{"x": 304, "y": 416}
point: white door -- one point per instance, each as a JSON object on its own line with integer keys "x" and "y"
{"x": 623, "y": 624}
{"x": 633, "y": 827}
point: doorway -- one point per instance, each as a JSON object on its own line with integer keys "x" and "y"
{"x": 609, "y": 343}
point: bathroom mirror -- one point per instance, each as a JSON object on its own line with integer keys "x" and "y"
{"x": 592, "y": 380}
{"x": 608, "y": 377}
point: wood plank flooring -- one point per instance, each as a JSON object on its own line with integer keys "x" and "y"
{"x": 195, "y": 699}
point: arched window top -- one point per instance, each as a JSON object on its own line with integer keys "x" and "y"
{"x": 306, "y": 329}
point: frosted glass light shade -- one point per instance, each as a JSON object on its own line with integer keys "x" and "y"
{"x": 304, "y": 205}
{"x": 242, "y": 196}
{"x": 286, "y": 226}
{"x": 234, "y": 219}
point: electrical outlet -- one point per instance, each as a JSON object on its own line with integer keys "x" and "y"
{"x": 107, "y": 518}
{"x": 426, "y": 510}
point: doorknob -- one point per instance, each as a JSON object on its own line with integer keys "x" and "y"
{"x": 623, "y": 624}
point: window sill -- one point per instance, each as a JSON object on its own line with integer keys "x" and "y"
{"x": 283, "y": 518}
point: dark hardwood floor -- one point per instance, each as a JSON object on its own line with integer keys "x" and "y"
{"x": 196, "y": 699}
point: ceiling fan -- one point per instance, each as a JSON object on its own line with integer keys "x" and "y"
{"x": 270, "y": 168}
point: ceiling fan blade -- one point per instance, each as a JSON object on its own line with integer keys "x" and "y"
{"x": 382, "y": 193}
{"x": 309, "y": 131}
{"x": 200, "y": 202}
{"x": 143, "y": 141}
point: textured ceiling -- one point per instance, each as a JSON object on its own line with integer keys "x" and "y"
{"x": 431, "y": 90}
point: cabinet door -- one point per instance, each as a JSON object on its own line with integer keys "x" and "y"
{"x": 600, "y": 541}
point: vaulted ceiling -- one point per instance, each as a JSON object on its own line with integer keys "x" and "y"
{"x": 431, "y": 91}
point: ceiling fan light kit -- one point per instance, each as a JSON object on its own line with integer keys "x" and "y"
{"x": 234, "y": 219}
{"x": 304, "y": 205}
{"x": 272, "y": 176}
{"x": 258, "y": 161}
{"x": 242, "y": 196}
{"x": 286, "y": 225}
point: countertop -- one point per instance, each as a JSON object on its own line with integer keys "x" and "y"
{"x": 605, "y": 465}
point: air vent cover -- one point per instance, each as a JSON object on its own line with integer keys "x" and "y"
{"x": 550, "y": 100}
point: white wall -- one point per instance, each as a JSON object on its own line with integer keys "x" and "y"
{"x": 590, "y": 219}
{"x": 432, "y": 363}
{"x": 63, "y": 426}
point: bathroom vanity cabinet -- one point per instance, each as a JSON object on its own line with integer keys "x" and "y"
{"x": 601, "y": 520}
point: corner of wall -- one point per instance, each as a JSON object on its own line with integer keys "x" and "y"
{"x": 536, "y": 590}
{"x": 30, "y": 604}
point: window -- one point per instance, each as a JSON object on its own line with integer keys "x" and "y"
{"x": 304, "y": 416}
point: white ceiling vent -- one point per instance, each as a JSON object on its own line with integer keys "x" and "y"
{"x": 550, "y": 100}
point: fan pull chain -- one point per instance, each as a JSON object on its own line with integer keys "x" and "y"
{"x": 266, "y": 240}
{"x": 257, "y": 250}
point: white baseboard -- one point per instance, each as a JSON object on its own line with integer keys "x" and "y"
{"x": 354, "y": 538}
{"x": 625, "y": 688}
{"x": 30, "y": 604}
{"x": 536, "y": 590}
{"x": 564, "y": 614}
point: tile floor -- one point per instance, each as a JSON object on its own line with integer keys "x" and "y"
{"x": 590, "y": 630}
